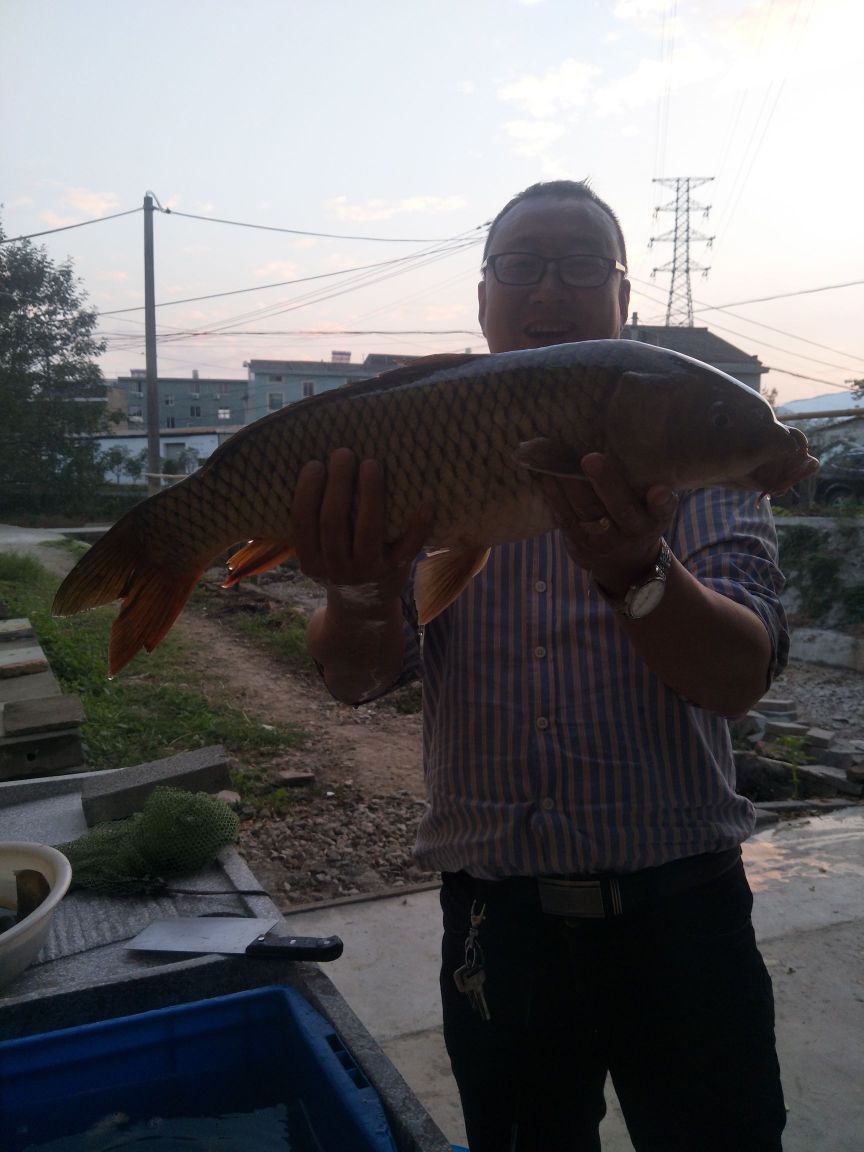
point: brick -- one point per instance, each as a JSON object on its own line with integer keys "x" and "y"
{"x": 41, "y": 754}
{"x": 840, "y": 756}
{"x": 785, "y": 728}
{"x": 294, "y": 777}
{"x": 819, "y": 737}
{"x": 116, "y": 795}
{"x": 33, "y": 687}
{"x": 787, "y": 707}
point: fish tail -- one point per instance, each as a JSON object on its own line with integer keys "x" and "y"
{"x": 255, "y": 557}
{"x": 120, "y": 567}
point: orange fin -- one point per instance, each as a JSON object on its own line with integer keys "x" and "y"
{"x": 118, "y": 567}
{"x": 551, "y": 456}
{"x": 153, "y": 601}
{"x": 257, "y": 556}
{"x": 442, "y": 576}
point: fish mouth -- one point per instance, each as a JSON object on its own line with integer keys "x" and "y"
{"x": 777, "y": 476}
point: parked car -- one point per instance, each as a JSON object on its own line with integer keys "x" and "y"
{"x": 840, "y": 479}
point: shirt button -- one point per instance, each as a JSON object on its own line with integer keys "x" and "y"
{"x": 547, "y": 803}
{"x": 539, "y": 651}
{"x": 540, "y": 586}
{"x": 542, "y": 722}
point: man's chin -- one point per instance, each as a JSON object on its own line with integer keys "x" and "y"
{"x": 547, "y": 339}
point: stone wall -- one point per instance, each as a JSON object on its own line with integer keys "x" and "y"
{"x": 822, "y": 558}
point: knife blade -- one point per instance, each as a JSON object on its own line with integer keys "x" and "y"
{"x": 234, "y": 935}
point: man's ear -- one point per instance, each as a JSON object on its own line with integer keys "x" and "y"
{"x": 481, "y": 300}
{"x": 624, "y": 301}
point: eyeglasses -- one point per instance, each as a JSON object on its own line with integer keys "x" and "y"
{"x": 524, "y": 268}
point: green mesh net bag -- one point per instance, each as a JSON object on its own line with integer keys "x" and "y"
{"x": 175, "y": 832}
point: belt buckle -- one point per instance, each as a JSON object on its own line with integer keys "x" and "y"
{"x": 577, "y": 899}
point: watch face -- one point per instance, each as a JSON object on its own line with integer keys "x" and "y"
{"x": 646, "y": 597}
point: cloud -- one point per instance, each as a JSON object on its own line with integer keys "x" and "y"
{"x": 377, "y": 209}
{"x": 464, "y": 87}
{"x": 77, "y": 204}
{"x": 533, "y": 137}
{"x": 558, "y": 91}
{"x": 276, "y": 270}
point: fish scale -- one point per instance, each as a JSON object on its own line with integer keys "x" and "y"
{"x": 464, "y": 433}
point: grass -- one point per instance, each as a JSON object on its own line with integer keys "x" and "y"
{"x": 151, "y": 710}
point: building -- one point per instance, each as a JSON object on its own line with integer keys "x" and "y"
{"x": 701, "y": 345}
{"x": 274, "y": 383}
{"x": 189, "y": 402}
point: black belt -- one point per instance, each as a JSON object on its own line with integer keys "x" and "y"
{"x": 596, "y": 897}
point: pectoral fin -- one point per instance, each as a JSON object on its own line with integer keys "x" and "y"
{"x": 257, "y": 556}
{"x": 442, "y": 576}
{"x": 550, "y": 456}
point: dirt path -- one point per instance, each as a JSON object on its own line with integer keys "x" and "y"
{"x": 371, "y": 747}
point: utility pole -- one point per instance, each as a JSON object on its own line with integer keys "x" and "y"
{"x": 679, "y": 308}
{"x": 154, "y": 465}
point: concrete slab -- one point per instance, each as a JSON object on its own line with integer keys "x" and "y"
{"x": 809, "y": 917}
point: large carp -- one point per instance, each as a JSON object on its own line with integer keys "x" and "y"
{"x": 462, "y": 433}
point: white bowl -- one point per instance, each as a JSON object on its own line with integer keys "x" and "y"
{"x": 21, "y": 944}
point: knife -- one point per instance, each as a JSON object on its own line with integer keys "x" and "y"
{"x": 238, "y": 935}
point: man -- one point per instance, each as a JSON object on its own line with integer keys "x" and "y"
{"x": 577, "y": 756}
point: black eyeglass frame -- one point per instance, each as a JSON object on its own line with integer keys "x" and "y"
{"x": 612, "y": 265}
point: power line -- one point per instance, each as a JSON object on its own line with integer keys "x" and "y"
{"x": 780, "y": 296}
{"x": 67, "y": 227}
{"x": 455, "y": 246}
{"x": 321, "y": 235}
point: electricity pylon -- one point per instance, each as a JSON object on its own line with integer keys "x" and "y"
{"x": 679, "y": 309}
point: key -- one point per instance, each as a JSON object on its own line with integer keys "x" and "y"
{"x": 470, "y": 980}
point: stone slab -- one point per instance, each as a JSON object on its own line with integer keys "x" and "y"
{"x": 18, "y": 660}
{"x": 16, "y": 629}
{"x": 819, "y": 737}
{"x": 44, "y": 714}
{"x": 123, "y": 792}
{"x": 29, "y": 687}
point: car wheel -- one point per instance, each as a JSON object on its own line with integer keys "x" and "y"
{"x": 838, "y": 496}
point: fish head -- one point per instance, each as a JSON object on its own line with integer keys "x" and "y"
{"x": 694, "y": 426}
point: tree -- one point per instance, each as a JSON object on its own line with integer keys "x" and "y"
{"x": 52, "y": 395}
{"x": 857, "y": 388}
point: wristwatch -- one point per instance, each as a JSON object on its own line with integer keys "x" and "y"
{"x": 642, "y": 597}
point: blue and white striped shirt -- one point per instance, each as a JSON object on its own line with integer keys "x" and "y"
{"x": 549, "y": 746}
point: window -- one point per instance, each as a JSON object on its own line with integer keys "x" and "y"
{"x": 222, "y": 388}
{"x": 169, "y": 399}
{"x": 275, "y": 379}
{"x": 224, "y": 413}
{"x": 195, "y": 410}
{"x": 136, "y": 412}
{"x": 274, "y": 401}
{"x": 169, "y": 422}
{"x": 308, "y": 388}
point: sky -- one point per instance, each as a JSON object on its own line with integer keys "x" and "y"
{"x": 397, "y": 129}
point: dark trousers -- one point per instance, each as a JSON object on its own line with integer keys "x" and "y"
{"x": 672, "y": 999}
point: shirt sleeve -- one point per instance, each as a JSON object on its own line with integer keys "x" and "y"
{"x": 728, "y": 540}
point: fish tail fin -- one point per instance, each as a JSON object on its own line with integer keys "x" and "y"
{"x": 152, "y": 602}
{"x": 255, "y": 557}
{"x": 119, "y": 567}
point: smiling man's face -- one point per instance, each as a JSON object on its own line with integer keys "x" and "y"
{"x": 514, "y": 317}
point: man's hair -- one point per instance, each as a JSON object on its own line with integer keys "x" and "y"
{"x": 572, "y": 189}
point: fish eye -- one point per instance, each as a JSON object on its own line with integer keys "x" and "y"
{"x": 720, "y": 417}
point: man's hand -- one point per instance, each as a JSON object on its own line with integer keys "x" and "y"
{"x": 608, "y": 528}
{"x": 338, "y": 515}
{"x": 339, "y": 533}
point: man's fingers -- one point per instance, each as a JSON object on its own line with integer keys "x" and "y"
{"x": 337, "y": 545}
{"x": 305, "y": 509}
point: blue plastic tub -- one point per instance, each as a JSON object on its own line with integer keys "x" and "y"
{"x": 236, "y": 1053}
